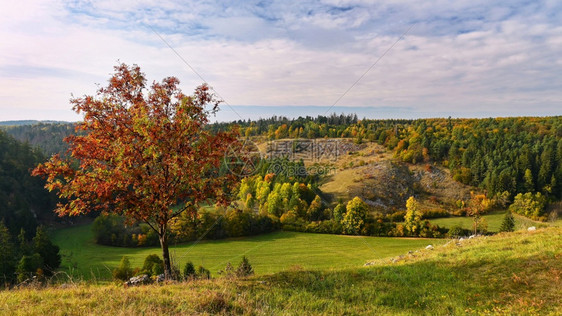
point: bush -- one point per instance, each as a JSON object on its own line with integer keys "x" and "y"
{"x": 153, "y": 265}
{"x": 508, "y": 223}
{"x": 124, "y": 271}
{"x": 434, "y": 213}
{"x": 244, "y": 268}
{"x": 228, "y": 270}
{"x": 457, "y": 231}
{"x": 188, "y": 271}
{"x": 530, "y": 205}
{"x": 397, "y": 216}
{"x": 202, "y": 273}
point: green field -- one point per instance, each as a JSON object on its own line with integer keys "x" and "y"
{"x": 267, "y": 253}
{"x": 507, "y": 274}
{"x": 494, "y": 221}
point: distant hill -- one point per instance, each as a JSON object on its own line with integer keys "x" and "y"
{"x": 48, "y": 136}
{"x": 30, "y": 122}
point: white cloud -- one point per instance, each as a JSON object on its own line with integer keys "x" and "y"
{"x": 460, "y": 57}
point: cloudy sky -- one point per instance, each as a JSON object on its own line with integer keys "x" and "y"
{"x": 413, "y": 58}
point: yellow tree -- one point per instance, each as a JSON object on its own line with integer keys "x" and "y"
{"x": 413, "y": 222}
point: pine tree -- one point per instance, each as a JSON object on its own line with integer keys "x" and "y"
{"x": 45, "y": 248}
{"x": 508, "y": 223}
{"x": 7, "y": 255}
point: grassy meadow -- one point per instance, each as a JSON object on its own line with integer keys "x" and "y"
{"x": 268, "y": 253}
{"x": 494, "y": 221}
{"x": 506, "y": 274}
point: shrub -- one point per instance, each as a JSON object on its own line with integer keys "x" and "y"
{"x": 434, "y": 213}
{"x": 530, "y": 205}
{"x": 188, "y": 271}
{"x": 244, "y": 268}
{"x": 202, "y": 273}
{"x": 456, "y": 231}
{"x": 228, "y": 270}
{"x": 397, "y": 216}
{"x": 124, "y": 271}
{"x": 153, "y": 265}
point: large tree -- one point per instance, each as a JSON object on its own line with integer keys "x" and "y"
{"x": 143, "y": 153}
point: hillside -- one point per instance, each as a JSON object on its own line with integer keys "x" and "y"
{"x": 46, "y": 135}
{"x": 23, "y": 200}
{"x": 514, "y": 273}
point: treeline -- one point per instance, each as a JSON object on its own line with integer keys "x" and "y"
{"x": 46, "y": 136}
{"x": 209, "y": 223}
{"x": 25, "y": 250}
{"x": 24, "y": 203}
{"x": 26, "y": 260}
{"x": 513, "y": 155}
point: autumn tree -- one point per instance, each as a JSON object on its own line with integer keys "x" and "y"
{"x": 143, "y": 153}
{"x": 476, "y": 210}
{"x": 356, "y": 214}
{"x": 413, "y": 221}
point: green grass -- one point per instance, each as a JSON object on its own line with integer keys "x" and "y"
{"x": 493, "y": 219}
{"x": 507, "y": 274}
{"x": 267, "y": 253}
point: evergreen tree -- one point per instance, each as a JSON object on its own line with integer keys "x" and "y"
{"x": 45, "y": 248}
{"x": 244, "y": 268}
{"x": 7, "y": 255}
{"x": 508, "y": 223}
{"x": 188, "y": 270}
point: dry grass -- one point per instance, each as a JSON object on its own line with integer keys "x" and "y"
{"x": 507, "y": 274}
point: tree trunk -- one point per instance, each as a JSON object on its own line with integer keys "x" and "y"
{"x": 163, "y": 236}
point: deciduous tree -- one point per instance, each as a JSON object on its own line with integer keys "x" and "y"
{"x": 143, "y": 153}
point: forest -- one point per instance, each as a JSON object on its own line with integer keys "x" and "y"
{"x": 25, "y": 248}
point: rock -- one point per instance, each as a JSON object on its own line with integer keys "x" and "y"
{"x": 410, "y": 252}
{"x": 430, "y": 247}
{"x": 532, "y": 228}
{"x": 471, "y": 236}
{"x": 139, "y": 280}
{"x": 161, "y": 278}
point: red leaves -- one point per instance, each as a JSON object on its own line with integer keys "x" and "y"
{"x": 140, "y": 155}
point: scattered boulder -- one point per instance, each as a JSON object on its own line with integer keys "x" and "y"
{"x": 532, "y": 228}
{"x": 161, "y": 278}
{"x": 139, "y": 280}
{"x": 430, "y": 247}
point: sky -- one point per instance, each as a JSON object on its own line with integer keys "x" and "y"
{"x": 380, "y": 59}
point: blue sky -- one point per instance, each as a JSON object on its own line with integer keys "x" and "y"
{"x": 459, "y": 58}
